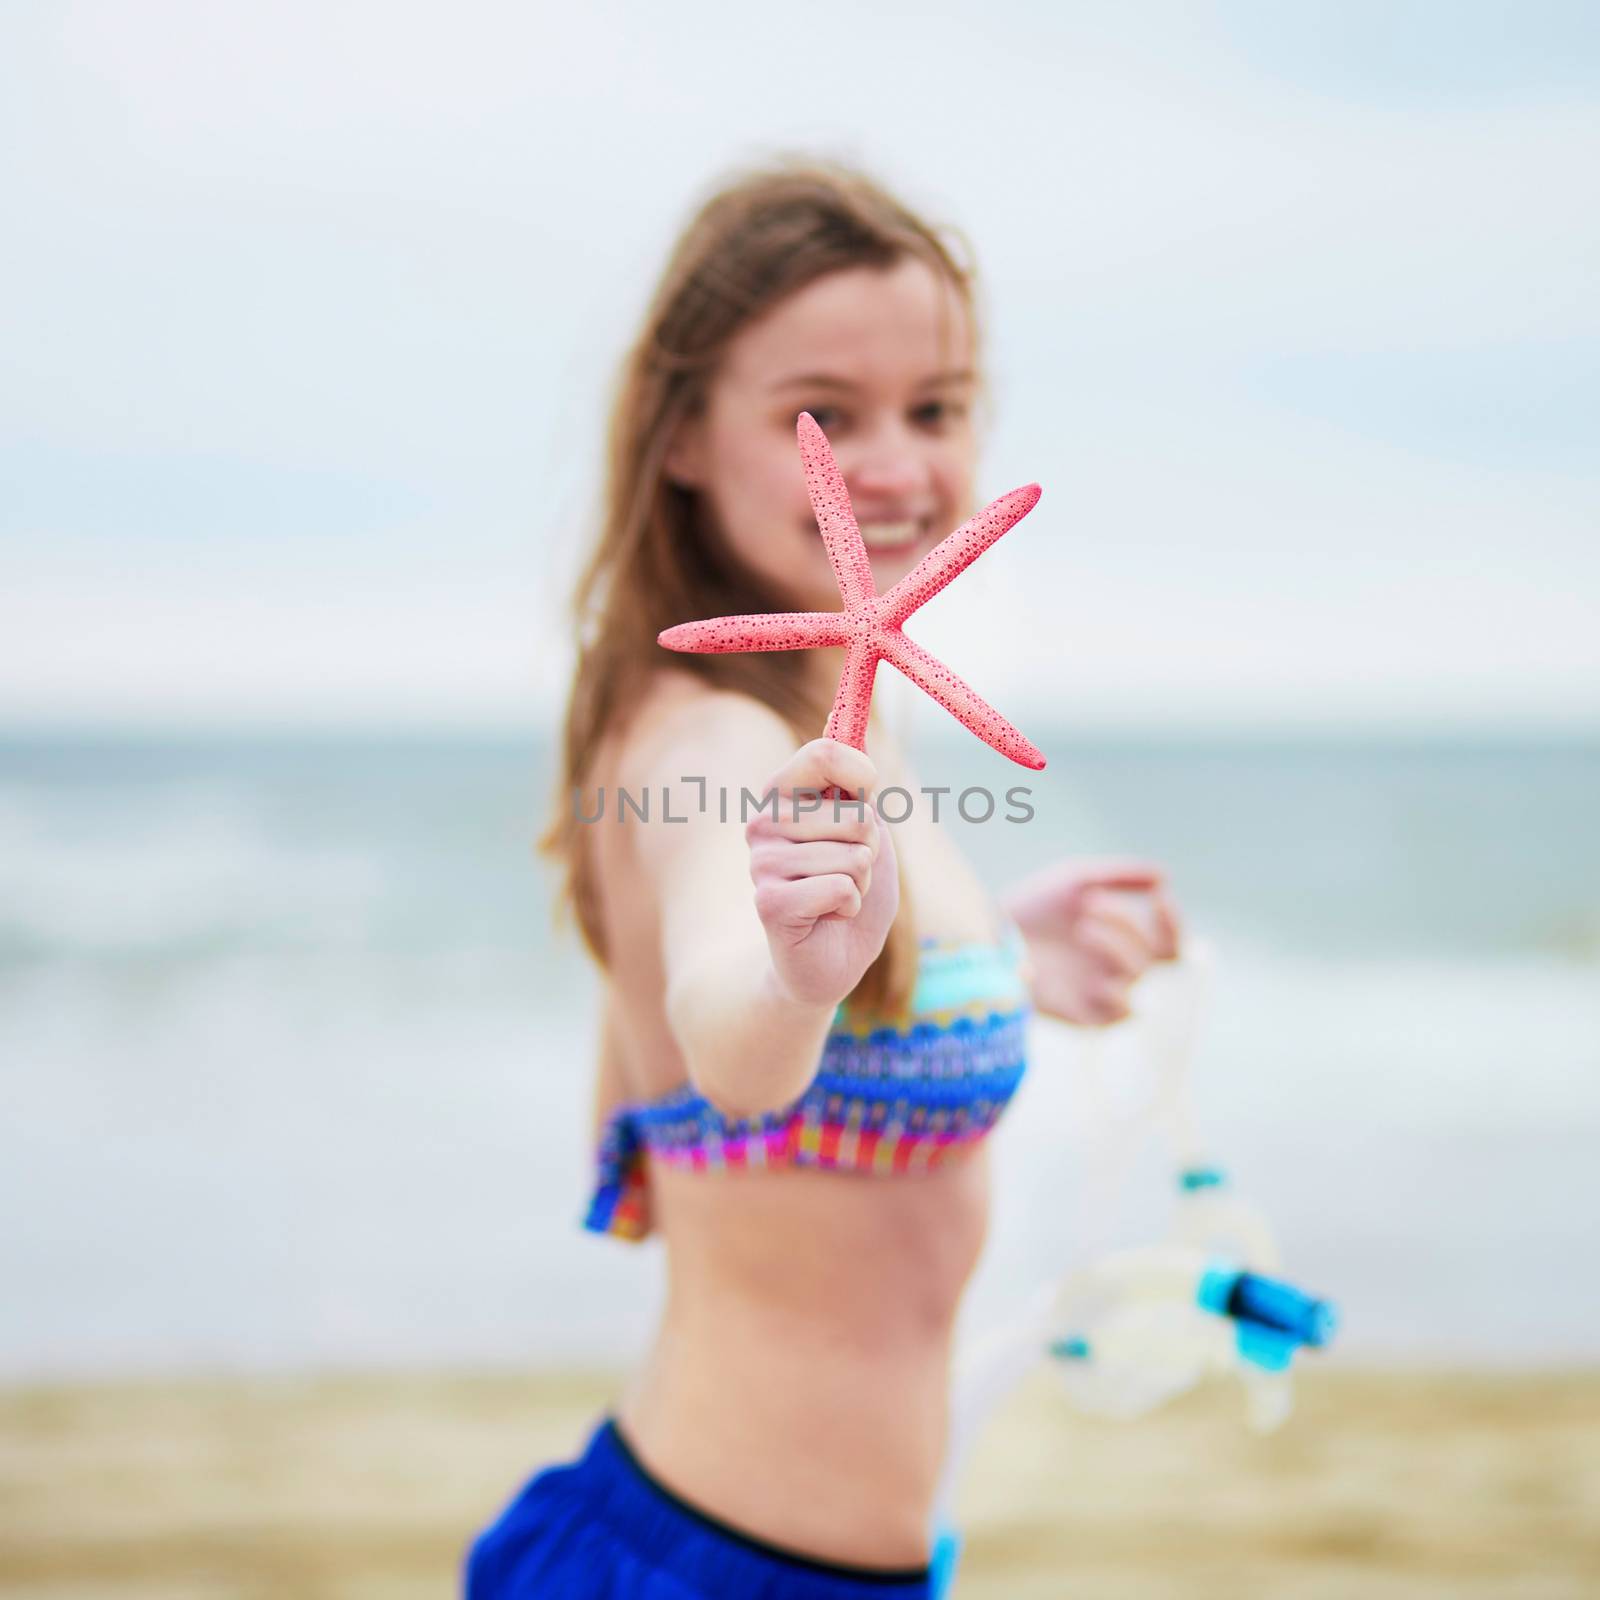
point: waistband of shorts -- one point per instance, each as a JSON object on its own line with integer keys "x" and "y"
{"x": 663, "y": 1526}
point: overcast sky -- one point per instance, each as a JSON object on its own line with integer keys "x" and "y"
{"x": 310, "y": 310}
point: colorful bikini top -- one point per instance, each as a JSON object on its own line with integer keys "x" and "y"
{"x": 892, "y": 1095}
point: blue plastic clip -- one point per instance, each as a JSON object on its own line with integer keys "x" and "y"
{"x": 1075, "y": 1348}
{"x": 1264, "y": 1347}
{"x": 1274, "y": 1318}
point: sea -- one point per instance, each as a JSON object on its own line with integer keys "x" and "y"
{"x": 296, "y": 1059}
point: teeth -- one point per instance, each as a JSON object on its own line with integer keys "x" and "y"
{"x": 889, "y": 535}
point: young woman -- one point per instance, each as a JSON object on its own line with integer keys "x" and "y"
{"x": 810, "y": 1018}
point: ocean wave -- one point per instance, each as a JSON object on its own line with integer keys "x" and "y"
{"x": 187, "y": 872}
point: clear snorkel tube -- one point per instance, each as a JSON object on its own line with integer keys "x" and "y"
{"x": 1139, "y": 1327}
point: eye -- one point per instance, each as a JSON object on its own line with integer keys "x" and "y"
{"x": 935, "y": 413}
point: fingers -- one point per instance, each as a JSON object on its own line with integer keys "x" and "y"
{"x": 812, "y": 857}
{"x": 823, "y": 763}
{"x": 792, "y": 905}
{"x": 1119, "y": 872}
{"x": 1100, "y": 925}
{"x": 1117, "y": 947}
{"x": 801, "y": 819}
{"x": 1169, "y": 927}
{"x": 1119, "y": 952}
{"x": 1147, "y": 919}
{"x": 1105, "y": 1005}
{"x": 1090, "y": 1002}
{"x": 785, "y": 859}
{"x": 793, "y": 807}
{"x": 1116, "y": 957}
{"x": 1112, "y": 874}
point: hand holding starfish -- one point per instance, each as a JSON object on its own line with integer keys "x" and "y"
{"x": 868, "y": 629}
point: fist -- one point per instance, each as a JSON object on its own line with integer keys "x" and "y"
{"x": 1094, "y": 928}
{"x": 826, "y": 881}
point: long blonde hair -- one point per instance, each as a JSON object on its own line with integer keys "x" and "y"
{"x": 761, "y": 236}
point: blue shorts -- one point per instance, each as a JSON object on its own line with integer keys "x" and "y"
{"x": 602, "y": 1528}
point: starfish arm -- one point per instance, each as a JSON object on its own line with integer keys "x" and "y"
{"x": 852, "y": 701}
{"x": 936, "y": 679}
{"x": 847, "y": 555}
{"x": 957, "y": 551}
{"x": 768, "y": 630}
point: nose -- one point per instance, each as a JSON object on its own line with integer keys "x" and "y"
{"x": 886, "y": 473}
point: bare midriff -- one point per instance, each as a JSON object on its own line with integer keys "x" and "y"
{"x": 797, "y": 1384}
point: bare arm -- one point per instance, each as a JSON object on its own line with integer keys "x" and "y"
{"x": 766, "y": 923}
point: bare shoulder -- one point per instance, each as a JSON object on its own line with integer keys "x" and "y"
{"x": 686, "y": 728}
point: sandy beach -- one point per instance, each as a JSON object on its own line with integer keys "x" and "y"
{"x": 356, "y": 1488}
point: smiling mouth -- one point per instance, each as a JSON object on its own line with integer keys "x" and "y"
{"x": 885, "y": 538}
{"x": 893, "y": 535}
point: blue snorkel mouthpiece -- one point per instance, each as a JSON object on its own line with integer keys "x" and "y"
{"x": 1274, "y": 1317}
{"x": 1281, "y": 1306}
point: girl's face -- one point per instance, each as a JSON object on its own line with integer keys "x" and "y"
{"x": 882, "y": 358}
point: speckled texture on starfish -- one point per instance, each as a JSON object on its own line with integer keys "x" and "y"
{"x": 868, "y": 629}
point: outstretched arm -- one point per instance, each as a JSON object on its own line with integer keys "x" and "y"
{"x": 766, "y": 923}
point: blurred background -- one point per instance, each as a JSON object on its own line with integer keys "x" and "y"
{"x": 312, "y": 312}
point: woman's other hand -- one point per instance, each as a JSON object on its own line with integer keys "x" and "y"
{"x": 826, "y": 884}
{"x": 1093, "y": 929}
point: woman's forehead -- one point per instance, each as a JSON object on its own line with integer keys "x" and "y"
{"x": 905, "y": 324}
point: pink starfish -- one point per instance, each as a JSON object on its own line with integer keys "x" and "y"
{"x": 869, "y": 626}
